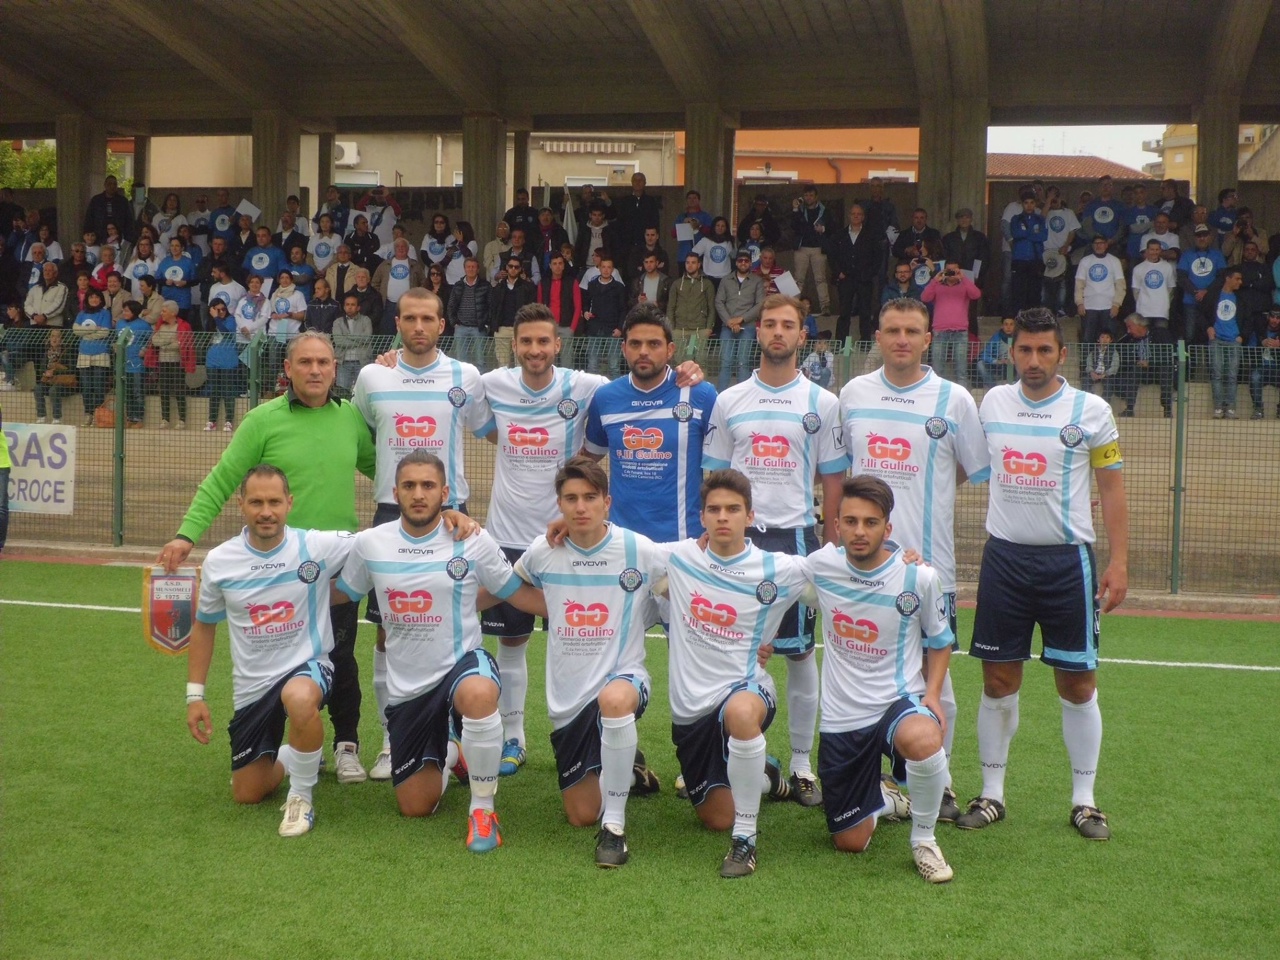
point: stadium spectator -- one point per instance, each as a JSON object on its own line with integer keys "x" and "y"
{"x": 289, "y": 235}
{"x": 464, "y": 247}
{"x": 1153, "y": 282}
{"x": 1187, "y": 231}
{"x": 223, "y": 220}
{"x": 168, "y": 219}
{"x": 819, "y": 365}
{"x": 716, "y": 251}
{"x": 144, "y": 262}
{"x": 223, "y": 286}
{"x": 604, "y": 308}
{"x": 1224, "y": 218}
{"x": 222, "y": 361}
{"x": 322, "y": 308}
{"x": 48, "y": 301}
{"x": 104, "y": 268}
{"x": 1061, "y": 225}
{"x": 755, "y": 243}
{"x": 966, "y": 246}
{"x": 1170, "y": 242}
{"x": 352, "y": 342}
{"x": 588, "y": 196}
{"x": 1198, "y": 268}
{"x": 548, "y": 235}
{"x": 243, "y": 237}
{"x": 691, "y": 301}
{"x": 1254, "y": 295}
{"x": 75, "y": 264}
{"x": 1103, "y": 364}
{"x": 809, "y": 224}
{"x": 323, "y": 245}
{"x": 491, "y": 259}
{"x": 560, "y": 293}
{"x": 768, "y": 271}
{"x": 115, "y": 295}
{"x": 739, "y": 300}
{"x": 438, "y": 241}
{"x": 511, "y": 293}
{"x": 372, "y": 304}
{"x": 54, "y": 379}
{"x": 363, "y": 243}
{"x": 522, "y": 216}
{"x": 651, "y": 285}
{"x": 24, "y": 235}
{"x": 856, "y": 255}
{"x": 304, "y": 275}
{"x": 634, "y": 263}
{"x": 697, "y": 219}
{"x": 1242, "y": 232}
{"x": 394, "y": 277}
{"x": 994, "y": 364}
{"x": 521, "y": 250}
{"x": 1103, "y": 216}
{"x": 341, "y": 274}
{"x": 109, "y": 206}
{"x": 1179, "y": 208}
{"x": 595, "y": 233}
{"x": 92, "y": 327}
{"x": 1143, "y": 359}
{"x": 1028, "y": 233}
{"x": 437, "y": 284}
{"x": 177, "y": 357}
{"x": 31, "y": 270}
{"x": 383, "y": 211}
{"x": 760, "y": 213}
{"x": 1223, "y": 326}
{"x": 638, "y": 213}
{"x": 903, "y": 285}
{"x": 1267, "y": 369}
{"x": 264, "y": 259}
{"x": 1100, "y": 290}
{"x": 1137, "y": 219}
{"x": 951, "y": 292}
{"x": 133, "y": 335}
{"x": 914, "y": 242}
{"x": 338, "y": 212}
{"x": 177, "y": 275}
{"x": 200, "y": 219}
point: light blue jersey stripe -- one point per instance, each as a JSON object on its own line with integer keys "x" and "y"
{"x": 454, "y": 460}
{"x": 579, "y": 579}
{"x": 1020, "y": 429}
{"x": 757, "y": 637}
{"x": 851, "y": 594}
{"x": 944, "y": 397}
{"x": 904, "y": 628}
{"x": 408, "y": 566}
{"x": 875, "y": 413}
{"x": 313, "y": 606}
{"x": 380, "y": 396}
{"x": 628, "y": 605}
{"x": 1068, "y": 535}
{"x": 756, "y": 416}
{"x": 719, "y": 583}
{"x": 254, "y": 583}
{"x": 459, "y": 647}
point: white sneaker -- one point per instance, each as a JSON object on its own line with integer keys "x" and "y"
{"x": 6, "y": 385}
{"x": 299, "y": 817}
{"x": 209, "y": 427}
{"x": 180, "y": 425}
{"x": 57, "y": 420}
{"x": 42, "y": 419}
{"x": 227, "y": 427}
{"x": 897, "y": 805}
{"x": 164, "y": 424}
{"x": 381, "y": 769}
{"x": 347, "y": 764}
{"x": 931, "y": 863}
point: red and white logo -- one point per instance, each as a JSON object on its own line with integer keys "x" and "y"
{"x": 847, "y": 628}
{"x": 882, "y": 448}
{"x": 717, "y": 615}
{"x": 635, "y": 438}
{"x": 588, "y": 615}
{"x": 409, "y": 427}
{"x": 519, "y": 436}
{"x": 1024, "y": 464}
{"x": 262, "y": 614}
{"x": 416, "y": 601}
{"x": 763, "y": 445}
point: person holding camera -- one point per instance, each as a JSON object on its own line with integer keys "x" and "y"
{"x": 950, "y": 293}
{"x": 1242, "y": 232}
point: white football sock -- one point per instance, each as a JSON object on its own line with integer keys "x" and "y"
{"x": 997, "y": 723}
{"x": 303, "y": 770}
{"x": 746, "y": 757}
{"x": 618, "y": 740}
{"x": 926, "y": 779}
{"x": 380, "y": 692}
{"x": 1082, "y": 733}
{"x": 949, "y": 711}
{"x": 515, "y": 688}
{"x": 450, "y": 761}
{"x": 482, "y": 746}
{"x": 802, "y": 712}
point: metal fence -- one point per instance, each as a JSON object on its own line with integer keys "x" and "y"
{"x": 1204, "y": 514}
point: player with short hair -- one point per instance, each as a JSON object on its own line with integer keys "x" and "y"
{"x": 878, "y": 617}
{"x": 725, "y": 603}
{"x": 271, "y": 585}
{"x": 1045, "y": 439}
{"x": 920, "y": 434}
{"x": 781, "y": 430}
{"x": 429, "y": 585}
{"x": 596, "y": 586}
{"x": 424, "y": 401}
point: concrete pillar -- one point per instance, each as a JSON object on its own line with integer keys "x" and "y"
{"x": 1217, "y": 148}
{"x": 82, "y": 165}
{"x": 142, "y": 160}
{"x": 706, "y": 152}
{"x": 275, "y": 162}
{"x": 324, "y": 171}
{"x": 520, "y": 166}
{"x": 484, "y": 164}
{"x": 934, "y": 190}
{"x": 970, "y": 117}
{"x": 728, "y": 210}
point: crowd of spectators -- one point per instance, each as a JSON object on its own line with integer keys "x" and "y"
{"x": 180, "y": 289}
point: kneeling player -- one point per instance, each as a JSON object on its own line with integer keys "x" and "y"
{"x": 724, "y": 602}
{"x": 271, "y": 585}
{"x": 438, "y": 677}
{"x": 876, "y": 613}
{"x": 597, "y": 593}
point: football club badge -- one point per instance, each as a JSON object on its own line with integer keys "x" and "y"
{"x": 169, "y": 607}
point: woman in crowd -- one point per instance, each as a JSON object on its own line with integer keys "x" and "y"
{"x": 52, "y": 248}
{"x": 169, "y": 219}
{"x": 717, "y": 251}
{"x": 323, "y": 245}
{"x": 438, "y": 242}
{"x": 93, "y": 363}
{"x": 175, "y": 346}
{"x": 493, "y": 250}
{"x": 55, "y": 379}
{"x": 223, "y": 363}
{"x": 464, "y": 246}
{"x": 143, "y": 263}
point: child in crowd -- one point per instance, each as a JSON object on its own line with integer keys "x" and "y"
{"x": 993, "y": 365}
{"x": 1103, "y": 365}
{"x": 133, "y": 333}
{"x": 818, "y": 365}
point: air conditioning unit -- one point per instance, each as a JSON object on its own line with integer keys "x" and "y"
{"x": 346, "y": 153}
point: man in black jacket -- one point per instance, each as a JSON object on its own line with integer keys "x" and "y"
{"x": 809, "y": 222}
{"x": 913, "y": 242}
{"x": 761, "y": 214}
{"x": 289, "y": 236}
{"x": 855, "y": 259}
{"x": 637, "y": 212}
{"x": 966, "y": 246}
{"x": 604, "y": 308}
{"x": 508, "y": 295}
{"x": 522, "y": 216}
{"x": 111, "y": 205}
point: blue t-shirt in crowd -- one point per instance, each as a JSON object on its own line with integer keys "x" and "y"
{"x": 1107, "y": 216}
{"x": 1226, "y": 323}
{"x": 176, "y": 268}
{"x": 1201, "y": 267}
{"x": 140, "y": 331}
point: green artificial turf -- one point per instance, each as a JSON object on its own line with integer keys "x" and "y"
{"x": 119, "y": 837}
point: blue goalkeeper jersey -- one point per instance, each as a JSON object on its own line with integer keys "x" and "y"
{"x": 653, "y": 440}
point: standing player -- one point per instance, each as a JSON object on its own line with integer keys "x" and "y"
{"x": 920, "y": 434}
{"x": 271, "y": 585}
{"x": 425, "y": 401}
{"x": 726, "y": 602}
{"x": 1045, "y": 440}
{"x": 437, "y": 671}
{"x": 877, "y": 616}
{"x": 781, "y": 430}
{"x": 597, "y": 685}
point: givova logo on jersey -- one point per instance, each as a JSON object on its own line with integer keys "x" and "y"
{"x": 770, "y": 451}
{"x": 410, "y": 606}
{"x": 417, "y": 432}
{"x": 643, "y": 443}
{"x": 884, "y": 453}
{"x": 714, "y": 619}
{"x": 585, "y": 621}
{"x": 522, "y": 441}
{"x": 272, "y": 619}
{"x": 856, "y": 635}
{"x": 1024, "y": 469}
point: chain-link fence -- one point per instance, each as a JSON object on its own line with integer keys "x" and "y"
{"x": 1200, "y": 491}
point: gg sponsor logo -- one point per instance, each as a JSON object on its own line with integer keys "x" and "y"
{"x": 410, "y": 427}
{"x": 882, "y": 448}
{"x": 636, "y": 438}
{"x": 853, "y": 631}
{"x": 262, "y": 614}
{"x": 1027, "y": 464}
{"x": 411, "y": 606}
{"x": 716, "y": 615}
{"x": 585, "y": 615}
{"x": 763, "y": 445}
{"x": 520, "y": 436}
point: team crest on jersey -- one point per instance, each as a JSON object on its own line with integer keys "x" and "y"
{"x": 309, "y": 571}
{"x": 457, "y": 396}
{"x": 630, "y": 579}
{"x": 1071, "y": 435}
{"x": 811, "y": 422}
{"x": 936, "y": 428}
{"x": 767, "y": 592}
{"x": 908, "y": 602}
{"x": 567, "y": 408}
{"x": 457, "y": 568}
{"x": 682, "y": 411}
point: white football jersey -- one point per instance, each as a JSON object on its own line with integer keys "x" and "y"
{"x": 421, "y": 409}
{"x": 596, "y": 604}
{"x": 427, "y": 590}
{"x": 780, "y": 437}
{"x": 537, "y": 432}
{"x": 721, "y": 611}
{"x": 1043, "y": 454}
{"x": 875, "y": 625}
{"x": 276, "y": 604}
{"x": 913, "y": 438}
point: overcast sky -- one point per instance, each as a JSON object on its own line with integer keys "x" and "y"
{"x": 1122, "y": 144}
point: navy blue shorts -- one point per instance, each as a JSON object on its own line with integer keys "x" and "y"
{"x": 795, "y": 633}
{"x": 1021, "y": 586}
{"x": 849, "y": 765}
{"x": 502, "y": 619}
{"x": 257, "y": 730}
{"x": 420, "y": 729}
{"x": 385, "y": 513}
{"x": 576, "y": 745}
{"x": 702, "y": 747}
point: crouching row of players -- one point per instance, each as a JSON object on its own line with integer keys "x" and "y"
{"x": 724, "y": 598}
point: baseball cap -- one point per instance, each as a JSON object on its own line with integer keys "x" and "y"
{"x": 1201, "y": 228}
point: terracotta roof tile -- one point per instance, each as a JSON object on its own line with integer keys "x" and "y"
{"x": 1031, "y": 166}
